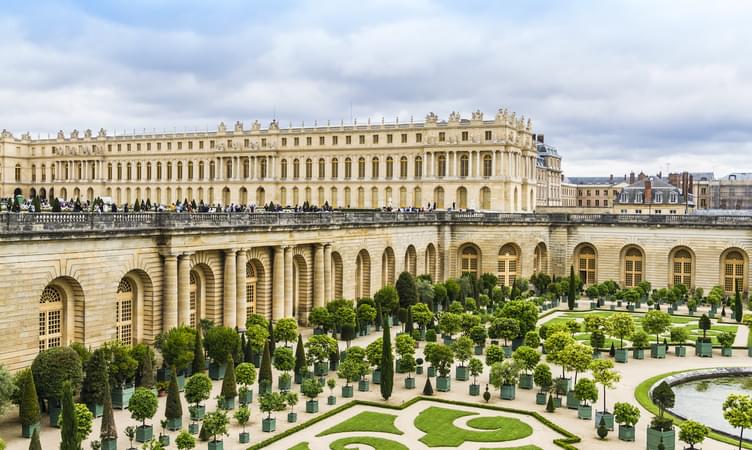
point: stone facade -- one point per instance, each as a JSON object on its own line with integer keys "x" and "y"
{"x": 465, "y": 163}
{"x": 96, "y": 277}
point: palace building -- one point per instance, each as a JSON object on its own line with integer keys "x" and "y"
{"x": 462, "y": 163}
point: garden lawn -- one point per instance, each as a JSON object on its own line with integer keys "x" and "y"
{"x": 376, "y": 443}
{"x": 301, "y": 446}
{"x": 438, "y": 424}
{"x": 524, "y": 447}
{"x": 366, "y": 421}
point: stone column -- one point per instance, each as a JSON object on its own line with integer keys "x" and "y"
{"x": 170, "y": 295}
{"x": 242, "y": 261}
{"x": 319, "y": 286}
{"x": 184, "y": 288}
{"x": 228, "y": 301}
{"x": 328, "y": 288}
{"x": 288, "y": 281}
{"x": 278, "y": 292}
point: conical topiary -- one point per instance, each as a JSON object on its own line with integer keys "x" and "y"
{"x": 300, "y": 357}
{"x": 68, "y": 422}
{"x": 409, "y": 322}
{"x": 486, "y": 395}
{"x": 28, "y": 408}
{"x": 550, "y": 407}
{"x": 229, "y": 387}
{"x": 247, "y": 352}
{"x": 265, "y": 372}
{"x": 203, "y": 434}
{"x": 428, "y": 388}
{"x": 387, "y": 365}
{"x": 108, "y": 429}
{"x": 174, "y": 408}
{"x": 35, "y": 444}
{"x": 612, "y": 351}
{"x": 572, "y": 289}
{"x": 199, "y": 362}
{"x": 92, "y": 390}
{"x": 272, "y": 345}
{"x": 602, "y": 429}
{"x": 147, "y": 371}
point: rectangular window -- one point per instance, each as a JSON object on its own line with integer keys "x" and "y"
{"x": 464, "y": 135}
{"x": 322, "y": 140}
{"x": 120, "y": 147}
{"x": 169, "y": 146}
{"x": 180, "y": 145}
{"x": 148, "y": 146}
{"x": 418, "y": 137}
{"x": 375, "y": 138}
{"x": 190, "y": 145}
{"x": 362, "y": 139}
{"x": 403, "y": 138}
{"x": 442, "y": 136}
{"x": 348, "y": 140}
{"x": 200, "y": 145}
{"x": 263, "y": 142}
{"x": 308, "y": 141}
{"x": 389, "y": 138}
{"x": 138, "y": 147}
{"x": 284, "y": 142}
{"x": 296, "y": 141}
{"x": 159, "y": 146}
{"x": 335, "y": 140}
{"x": 211, "y": 143}
{"x": 247, "y": 143}
{"x": 488, "y": 135}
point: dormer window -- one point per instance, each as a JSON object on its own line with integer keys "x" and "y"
{"x": 638, "y": 197}
{"x": 623, "y": 197}
{"x": 658, "y": 197}
{"x": 673, "y": 198}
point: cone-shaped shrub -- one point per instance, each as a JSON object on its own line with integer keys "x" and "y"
{"x": 92, "y": 391}
{"x": 409, "y": 322}
{"x": 147, "y": 370}
{"x": 229, "y": 387}
{"x": 199, "y": 362}
{"x": 108, "y": 429}
{"x": 428, "y": 388}
{"x": 272, "y": 346}
{"x": 265, "y": 373}
{"x": 387, "y": 365}
{"x": 300, "y": 358}
{"x": 550, "y": 407}
{"x": 35, "y": 444}
{"x": 29, "y": 406}
{"x": 173, "y": 409}
{"x": 68, "y": 422}
{"x": 572, "y": 291}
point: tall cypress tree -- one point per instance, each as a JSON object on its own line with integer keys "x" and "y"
{"x": 409, "y": 321}
{"x": 272, "y": 344}
{"x": 571, "y": 294}
{"x": 229, "y": 386}
{"x": 300, "y": 357}
{"x": 387, "y": 365}
{"x": 265, "y": 373}
{"x": 28, "y": 409}
{"x": 68, "y": 422}
{"x": 173, "y": 409}
{"x": 108, "y": 431}
{"x": 247, "y": 351}
{"x": 738, "y": 311}
{"x": 199, "y": 361}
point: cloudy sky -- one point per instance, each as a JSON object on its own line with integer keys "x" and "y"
{"x": 616, "y": 86}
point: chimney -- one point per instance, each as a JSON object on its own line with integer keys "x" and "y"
{"x": 540, "y": 138}
{"x": 631, "y": 177}
{"x": 648, "y": 191}
{"x": 611, "y": 178}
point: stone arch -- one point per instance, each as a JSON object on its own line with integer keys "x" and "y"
{"x": 337, "y": 271}
{"x": 485, "y": 198}
{"x": 681, "y": 264}
{"x": 260, "y": 196}
{"x": 462, "y": 197}
{"x": 259, "y": 260}
{"x": 42, "y": 193}
{"x": 61, "y": 318}
{"x": 586, "y": 263}
{"x": 142, "y": 290}
{"x": 438, "y": 197}
{"x": 363, "y": 274}
{"x": 411, "y": 260}
{"x": 64, "y": 193}
{"x": 225, "y": 196}
{"x": 301, "y": 290}
{"x": 734, "y": 270}
{"x": 540, "y": 258}
{"x": 32, "y": 193}
{"x": 470, "y": 259}
{"x": 509, "y": 263}
{"x": 431, "y": 262}
{"x": 631, "y": 265}
{"x": 387, "y": 267}
{"x": 243, "y": 196}
{"x": 207, "y": 303}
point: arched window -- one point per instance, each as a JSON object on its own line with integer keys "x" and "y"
{"x": 228, "y": 169}
{"x": 283, "y": 196}
{"x": 322, "y": 168}
{"x": 682, "y": 268}
{"x": 200, "y": 170}
{"x": 469, "y": 260}
{"x": 348, "y": 168}
{"x": 322, "y": 196}
{"x": 148, "y": 171}
{"x": 632, "y": 267}
{"x": 462, "y": 197}
{"x": 361, "y": 167}
{"x": 375, "y": 167}
{"x": 18, "y": 172}
{"x": 403, "y": 167}
{"x": 387, "y": 267}
{"x": 250, "y": 289}
{"x": 487, "y": 165}
{"x": 418, "y": 166}
{"x": 403, "y": 197}
{"x": 485, "y": 198}
{"x": 540, "y": 258}
{"x": 733, "y": 272}
{"x": 375, "y": 197}
{"x": 194, "y": 294}
{"x": 212, "y": 170}
{"x": 333, "y": 202}
{"x": 295, "y": 196}
{"x": 50, "y": 318}
{"x": 337, "y": 275}
{"x": 190, "y": 170}
{"x": 411, "y": 260}
{"x": 124, "y": 312}
{"x": 335, "y": 168}
{"x": 138, "y": 171}
{"x": 441, "y": 166}
{"x": 586, "y": 265}
{"x": 119, "y": 171}
{"x": 417, "y": 197}
{"x": 438, "y": 197}
{"x": 169, "y": 171}
{"x": 361, "y": 197}
{"x": 295, "y": 168}
{"x": 508, "y": 264}
{"x": 464, "y": 165}
{"x": 263, "y": 167}
{"x": 388, "y": 196}
{"x": 128, "y": 168}
{"x": 246, "y": 168}
{"x": 363, "y": 274}
{"x": 308, "y": 169}
{"x": 180, "y": 170}
{"x": 283, "y": 169}
{"x": 389, "y": 167}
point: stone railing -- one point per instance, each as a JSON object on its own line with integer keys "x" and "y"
{"x": 12, "y": 223}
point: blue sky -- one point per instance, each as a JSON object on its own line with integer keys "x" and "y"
{"x": 616, "y": 86}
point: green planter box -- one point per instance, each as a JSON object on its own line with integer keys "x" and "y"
{"x": 654, "y": 439}
{"x": 347, "y": 391}
{"x": 726, "y": 351}
{"x": 95, "y": 409}
{"x": 216, "y": 445}
{"x": 461, "y": 373}
{"x": 474, "y": 390}
{"x": 331, "y": 400}
{"x": 244, "y": 437}
{"x": 121, "y": 396}
{"x": 607, "y": 416}
{"x": 419, "y": 370}
{"x": 507, "y": 351}
{"x": 585, "y": 412}
{"x": 228, "y": 403}
{"x": 431, "y": 371}
{"x": 630, "y": 308}
{"x": 507, "y": 391}
{"x": 621, "y": 355}
{"x": 443, "y": 384}
{"x": 409, "y": 383}
{"x": 164, "y": 439}
{"x": 626, "y": 433}
{"x": 144, "y": 433}
{"x": 657, "y": 351}
{"x": 245, "y": 397}
{"x": 318, "y": 331}
{"x": 749, "y": 352}
{"x": 638, "y": 353}
{"x": 478, "y": 349}
{"x": 200, "y": 412}
{"x": 298, "y": 378}
{"x": 593, "y": 305}
{"x": 54, "y": 410}
{"x": 28, "y": 430}
{"x": 680, "y": 351}
{"x": 283, "y": 384}
{"x": 312, "y": 406}
{"x": 612, "y": 307}
{"x": 321, "y": 369}
{"x": 557, "y": 402}
{"x": 563, "y": 385}
{"x": 572, "y": 401}
{"x": 704, "y": 349}
{"x": 181, "y": 382}
{"x": 292, "y": 417}
{"x": 109, "y": 444}
{"x": 333, "y": 366}
{"x": 540, "y": 398}
{"x": 363, "y": 386}
{"x": 269, "y": 425}
{"x": 265, "y": 388}
{"x": 376, "y": 376}
{"x": 526, "y": 381}
{"x": 175, "y": 424}
{"x": 398, "y": 366}
{"x": 217, "y": 371}
{"x": 193, "y": 428}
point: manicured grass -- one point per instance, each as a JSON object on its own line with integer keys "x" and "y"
{"x": 438, "y": 424}
{"x": 366, "y": 421}
{"x": 376, "y": 443}
{"x": 643, "y": 398}
{"x": 301, "y": 446}
{"x": 485, "y": 423}
{"x": 524, "y": 447}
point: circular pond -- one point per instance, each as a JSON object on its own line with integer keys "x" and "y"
{"x": 702, "y": 399}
